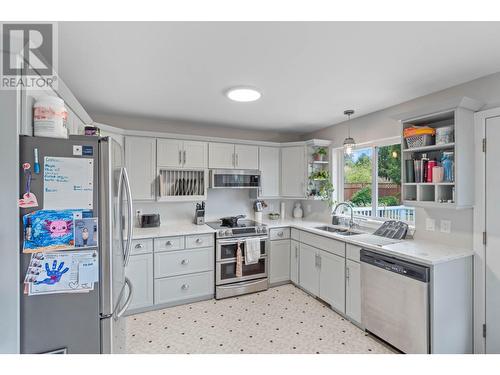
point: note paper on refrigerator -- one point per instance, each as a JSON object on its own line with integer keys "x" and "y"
{"x": 68, "y": 183}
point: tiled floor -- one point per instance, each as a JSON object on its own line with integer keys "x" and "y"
{"x": 280, "y": 320}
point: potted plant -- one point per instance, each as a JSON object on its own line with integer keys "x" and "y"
{"x": 320, "y": 154}
{"x": 320, "y": 175}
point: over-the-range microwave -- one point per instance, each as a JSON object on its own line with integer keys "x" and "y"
{"x": 234, "y": 179}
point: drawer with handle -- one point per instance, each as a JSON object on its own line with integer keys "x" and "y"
{"x": 279, "y": 234}
{"x": 169, "y": 243}
{"x": 141, "y": 246}
{"x": 202, "y": 240}
{"x": 183, "y": 262}
{"x": 178, "y": 288}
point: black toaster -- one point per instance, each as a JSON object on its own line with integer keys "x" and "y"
{"x": 149, "y": 220}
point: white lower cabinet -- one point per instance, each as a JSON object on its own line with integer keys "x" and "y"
{"x": 353, "y": 290}
{"x": 322, "y": 273}
{"x": 308, "y": 269}
{"x": 140, "y": 272}
{"x": 279, "y": 261}
{"x": 185, "y": 287}
{"x": 294, "y": 261}
{"x": 332, "y": 280}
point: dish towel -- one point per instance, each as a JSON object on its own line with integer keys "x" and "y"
{"x": 252, "y": 250}
{"x": 239, "y": 262}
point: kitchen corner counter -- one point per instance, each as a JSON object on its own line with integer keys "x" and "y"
{"x": 418, "y": 251}
{"x": 170, "y": 229}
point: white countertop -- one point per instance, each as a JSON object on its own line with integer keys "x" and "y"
{"x": 171, "y": 229}
{"x": 419, "y": 251}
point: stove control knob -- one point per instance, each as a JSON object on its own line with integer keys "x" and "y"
{"x": 228, "y": 232}
{"x": 221, "y": 233}
{"x": 258, "y": 229}
{"x": 263, "y": 229}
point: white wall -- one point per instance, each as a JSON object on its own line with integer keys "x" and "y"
{"x": 189, "y": 128}
{"x": 9, "y": 223}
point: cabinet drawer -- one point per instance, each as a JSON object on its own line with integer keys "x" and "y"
{"x": 178, "y": 288}
{"x": 202, "y": 240}
{"x": 169, "y": 243}
{"x": 183, "y": 262}
{"x": 279, "y": 234}
{"x": 352, "y": 252}
{"x": 142, "y": 246}
{"x": 323, "y": 243}
{"x": 295, "y": 234}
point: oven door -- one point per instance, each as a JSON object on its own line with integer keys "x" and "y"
{"x": 226, "y": 249}
{"x": 226, "y": 271}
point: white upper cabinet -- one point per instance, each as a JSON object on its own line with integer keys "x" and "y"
{"x": 246, "y": 157}
{"x": 169, "y": 153}
{"x": 269, "y": 166}
{"x": 231, "y": 156}
{"x": 181, "y": 154}
{"x": 221, "y": 155}
{"x": 140, "y": 160}
{"x": 293, "y": 172}
{"x": 195, "y": 154}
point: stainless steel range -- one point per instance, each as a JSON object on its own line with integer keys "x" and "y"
{"x": 231, "y": 233}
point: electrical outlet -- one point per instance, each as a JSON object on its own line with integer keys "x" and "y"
{"x": 445, "y": 226}
{"x": 430, "y": 224}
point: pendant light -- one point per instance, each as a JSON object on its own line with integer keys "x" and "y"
{"x": 349, "y": 142}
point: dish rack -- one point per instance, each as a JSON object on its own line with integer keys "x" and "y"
{"x": 182, "y": 185}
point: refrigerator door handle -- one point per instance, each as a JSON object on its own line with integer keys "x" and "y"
{"x": 125, "y": 306}
{"x": 129, "y": 216}
{"x": 120, "y": 210}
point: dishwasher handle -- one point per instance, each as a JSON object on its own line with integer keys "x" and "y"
{"x": 399, "y": 266}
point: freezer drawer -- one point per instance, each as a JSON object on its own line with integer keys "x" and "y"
{"x": 395, "y": 308}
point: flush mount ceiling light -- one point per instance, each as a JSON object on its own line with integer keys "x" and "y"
{"x": 349, "y": 142}
{"x": 243, "y": 94}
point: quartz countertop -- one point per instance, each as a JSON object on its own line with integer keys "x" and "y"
{"x": 419, "y": 251}
{"x": 171, "y": 229}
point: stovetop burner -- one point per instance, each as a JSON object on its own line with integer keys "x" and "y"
{"x": 244, "y": 228}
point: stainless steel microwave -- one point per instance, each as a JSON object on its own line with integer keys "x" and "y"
{"x": 235, "y": 179}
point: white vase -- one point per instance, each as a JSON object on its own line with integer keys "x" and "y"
{"x": 297, "y": 211}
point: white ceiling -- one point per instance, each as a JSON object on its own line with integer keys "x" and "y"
{"x": 308, "y": 72}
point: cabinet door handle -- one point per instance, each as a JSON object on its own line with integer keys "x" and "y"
{"x": 185, "y": 287}
{"x": 184, "y": 261}
{"x": 180, "y": 157}
{"x": 237, "y": 161}
{"x": 347, "y": 273}
{"x": 280, "y": 234}
{"x": 198, "y": 240}
{"x": 139, "y": 246}
{"x": 184, "y": 157}
{"x": 168, "y": 243}
{"x": 234, "y": 160}
{"x": 296, "y": 252}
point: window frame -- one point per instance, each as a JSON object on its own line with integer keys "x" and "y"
{"x": 338, "y": 175}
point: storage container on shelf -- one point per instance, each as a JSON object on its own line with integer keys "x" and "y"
{"x": 445, "y": 135}
{"x": 49, "y": 117}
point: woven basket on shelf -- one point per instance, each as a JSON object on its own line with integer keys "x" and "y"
{"x": 419, "y": 140}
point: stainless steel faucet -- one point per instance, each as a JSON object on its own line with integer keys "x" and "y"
{"x": 335, "y": 218}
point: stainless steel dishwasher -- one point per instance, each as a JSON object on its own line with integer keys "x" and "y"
{"x": 395, "y": 301}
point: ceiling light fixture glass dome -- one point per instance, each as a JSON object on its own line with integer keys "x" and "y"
{"x": 349, "y": 142}
{"x": 243, "y": 94}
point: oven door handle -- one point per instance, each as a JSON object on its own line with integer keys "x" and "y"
{"x": 233, "y": 241}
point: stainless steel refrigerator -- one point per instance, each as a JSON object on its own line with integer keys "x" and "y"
{"x": 83, "y": 322}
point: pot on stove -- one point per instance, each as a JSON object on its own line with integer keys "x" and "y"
{"x": 231, "y": 221}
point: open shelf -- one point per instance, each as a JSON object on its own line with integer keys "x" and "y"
{"x": 443, "y": 146}
{"x": 454, "y": 195}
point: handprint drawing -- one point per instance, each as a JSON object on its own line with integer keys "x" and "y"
{"x": 53, "y": 275}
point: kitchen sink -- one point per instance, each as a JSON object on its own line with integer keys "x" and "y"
{"x": 340, "y": 231}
